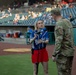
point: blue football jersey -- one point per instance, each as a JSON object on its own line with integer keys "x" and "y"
{"x": 42, "y": 35}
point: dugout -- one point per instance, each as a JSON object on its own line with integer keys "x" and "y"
{"x": 52, "y": 37}
{"x": 51, "y": 34}
{"x": 50, "y": 29}
{"x": 23, "y": 29}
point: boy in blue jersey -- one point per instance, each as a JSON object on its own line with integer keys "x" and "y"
{"x": 29, "y": 32}
{"x": 39, "y": 39}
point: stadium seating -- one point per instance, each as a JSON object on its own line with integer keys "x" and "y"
{"x": 31, "y": 21}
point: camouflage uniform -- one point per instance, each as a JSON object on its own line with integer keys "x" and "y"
{"x": 64, "y": 46}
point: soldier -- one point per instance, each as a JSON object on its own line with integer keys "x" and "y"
{"x": 64, "y": 44}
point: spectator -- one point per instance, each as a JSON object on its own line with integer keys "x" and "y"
{"x": 9, "y": 11}
{"x": 23, "y": 17}
{"x": 16, "y": 19}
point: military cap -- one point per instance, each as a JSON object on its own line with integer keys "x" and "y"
{"x": 56, "y": 11}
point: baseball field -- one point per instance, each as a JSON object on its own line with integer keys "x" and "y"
{"x": 15, "y": 59}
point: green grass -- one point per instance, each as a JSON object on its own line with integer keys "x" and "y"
{"x": 21, "y": 65}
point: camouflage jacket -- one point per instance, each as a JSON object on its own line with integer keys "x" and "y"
{"x": 64, "y": 43}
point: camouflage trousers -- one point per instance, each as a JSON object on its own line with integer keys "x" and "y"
{"x": 64, "y": 65}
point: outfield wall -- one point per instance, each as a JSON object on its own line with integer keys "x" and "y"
{"x": 23, "y": 29}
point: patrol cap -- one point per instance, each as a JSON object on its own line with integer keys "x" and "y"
{"x": 56, "y": 11}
